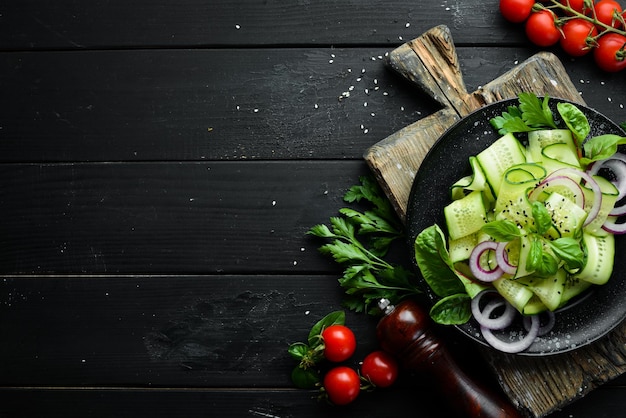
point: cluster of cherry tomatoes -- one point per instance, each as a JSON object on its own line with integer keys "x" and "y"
{"x": 579, "y": 26}
{"x": 341, "y": 383}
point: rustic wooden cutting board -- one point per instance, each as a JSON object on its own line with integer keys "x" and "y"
{"x": 536, "y": 386}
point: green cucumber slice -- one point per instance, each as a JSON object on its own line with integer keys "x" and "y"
{"x": 600, "y": 254}
{"x": 465, "y": 216}
{"x": 499, "y": 157}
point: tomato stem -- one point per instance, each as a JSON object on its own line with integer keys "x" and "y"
{"x": 574, "y": 14}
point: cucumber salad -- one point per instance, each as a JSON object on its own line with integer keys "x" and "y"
{"x": 531, "y": 228}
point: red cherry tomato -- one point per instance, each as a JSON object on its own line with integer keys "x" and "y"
{"x": 605, "y": 10}
{"x": 541, "y": 30}
{"x": 339, "y": 343}
{"x": 380, "y": 368}
{"x": 577, "y": 5}
{"x": 516, "y": 11}
{"x": 610, "y": 54}
{"x": 342, "y": 385}
{"x": 575, "y": 35}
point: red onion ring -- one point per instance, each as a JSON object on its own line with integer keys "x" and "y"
{"x": 474, "y": 263}
{"x": 617, "y": 165}
{"x": 597, "y": 193}
{"x": 565, "y": 181}
{"x": 513, "y": 346}
{"x": 483, "y": 317}
{"x": 543, "y": 328}
{"x": 503, "y": 260}
{"x": 611, "y": 225}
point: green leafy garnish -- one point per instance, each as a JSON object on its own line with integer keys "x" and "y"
{"x": 601, "y": 147}
{"x": 531, "y": 114}
{"x": 575, "y": 120}
{"x": 502, "y": 230}
{"x": 359, "y": 240}
{"x": 452, "y": 310}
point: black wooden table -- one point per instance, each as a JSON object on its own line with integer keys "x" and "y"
{"x": 161, "y": 162}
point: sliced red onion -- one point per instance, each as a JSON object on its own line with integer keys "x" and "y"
{"x": 513, "y": 346}
{"x": 503, "y": 259}
{"x": 559, "y": 181}
{"x": 483, "y": 317}
{"x": 611, "y": 225}
{"x": 591, "y": 183}
{"x": 477, "y": 270}
{"x": 543, "y": 328}
{"x": 618, "y": 168}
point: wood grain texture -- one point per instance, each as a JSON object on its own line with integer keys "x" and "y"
{"x": 29, "y": 24}
{"x": 194, "y": 217}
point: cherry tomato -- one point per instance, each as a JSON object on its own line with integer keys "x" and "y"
{"x": 516, "y": 11}
{"x": 380, "y": 368}
{"x": 577, "y": 5}
{"x": 339, "y": 343}
{"x": 342, "y": 385}
{"x": 610, "y": 54}
{"x": 605, "y": 10}
{"x": 541, "y": 30}
{"x": 575, "y": 35}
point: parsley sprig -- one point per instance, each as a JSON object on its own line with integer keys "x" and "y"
{"x": 359, "y": 240}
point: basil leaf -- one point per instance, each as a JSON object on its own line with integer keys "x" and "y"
{"x": 575, "y": 120}
{"x": 543, "y": 220}
{"x": 452, "y": 310}
{"x": 601, "y": 147}
{"x": 534, "y": 255}
{"x": 298, "y": 350}
{"x": 548, "y": 265}
{"x": 305, "y": 378}
{"x": 333, "y": 318}
{"x": 434, "y": 262}
{"x": 568, "y": 249}
{"x": 502, "y": 230}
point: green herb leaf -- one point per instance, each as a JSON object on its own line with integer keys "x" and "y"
{"x": 452, "y": 310}
{"x": 434, "y": 262}
{"x": 333, "y": 318}
{"x": 543, "y": 220}
{"x": 305, "y": 378}
{"x": 510, "y": 121}
{"x": 536, "y": 113}
{"x": 502, "y": 230}
{"x": 601, "y": 147}
{"x": 534, "y": 255}
{"x": 568, "y": 249}
{"x": 298, "y": 350}
{"x": 575, "y": 120}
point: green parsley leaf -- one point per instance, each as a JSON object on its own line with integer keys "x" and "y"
{"x": 535, "y": 112}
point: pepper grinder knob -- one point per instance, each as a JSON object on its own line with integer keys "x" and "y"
{"x": 406, "y": 331}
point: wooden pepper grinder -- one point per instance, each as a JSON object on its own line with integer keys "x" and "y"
{"x": 406, "y": 332}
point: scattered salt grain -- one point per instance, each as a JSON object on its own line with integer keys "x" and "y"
{"x": 330, "y": 61}
{"x": 316, "y": 106}
{"x": 407, "y": 25}
{"x": 256, "y": 110}
{"x": 237, "y": 27}
{"x": 365, "y": 104}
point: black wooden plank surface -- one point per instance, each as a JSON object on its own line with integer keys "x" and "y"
{"x": 161, "y": 162}
{"x": 229, "y": 104}
{"x": 186, "y": 217}
{"x": 103, "y": 402}
{"x": 29, "y": 24}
